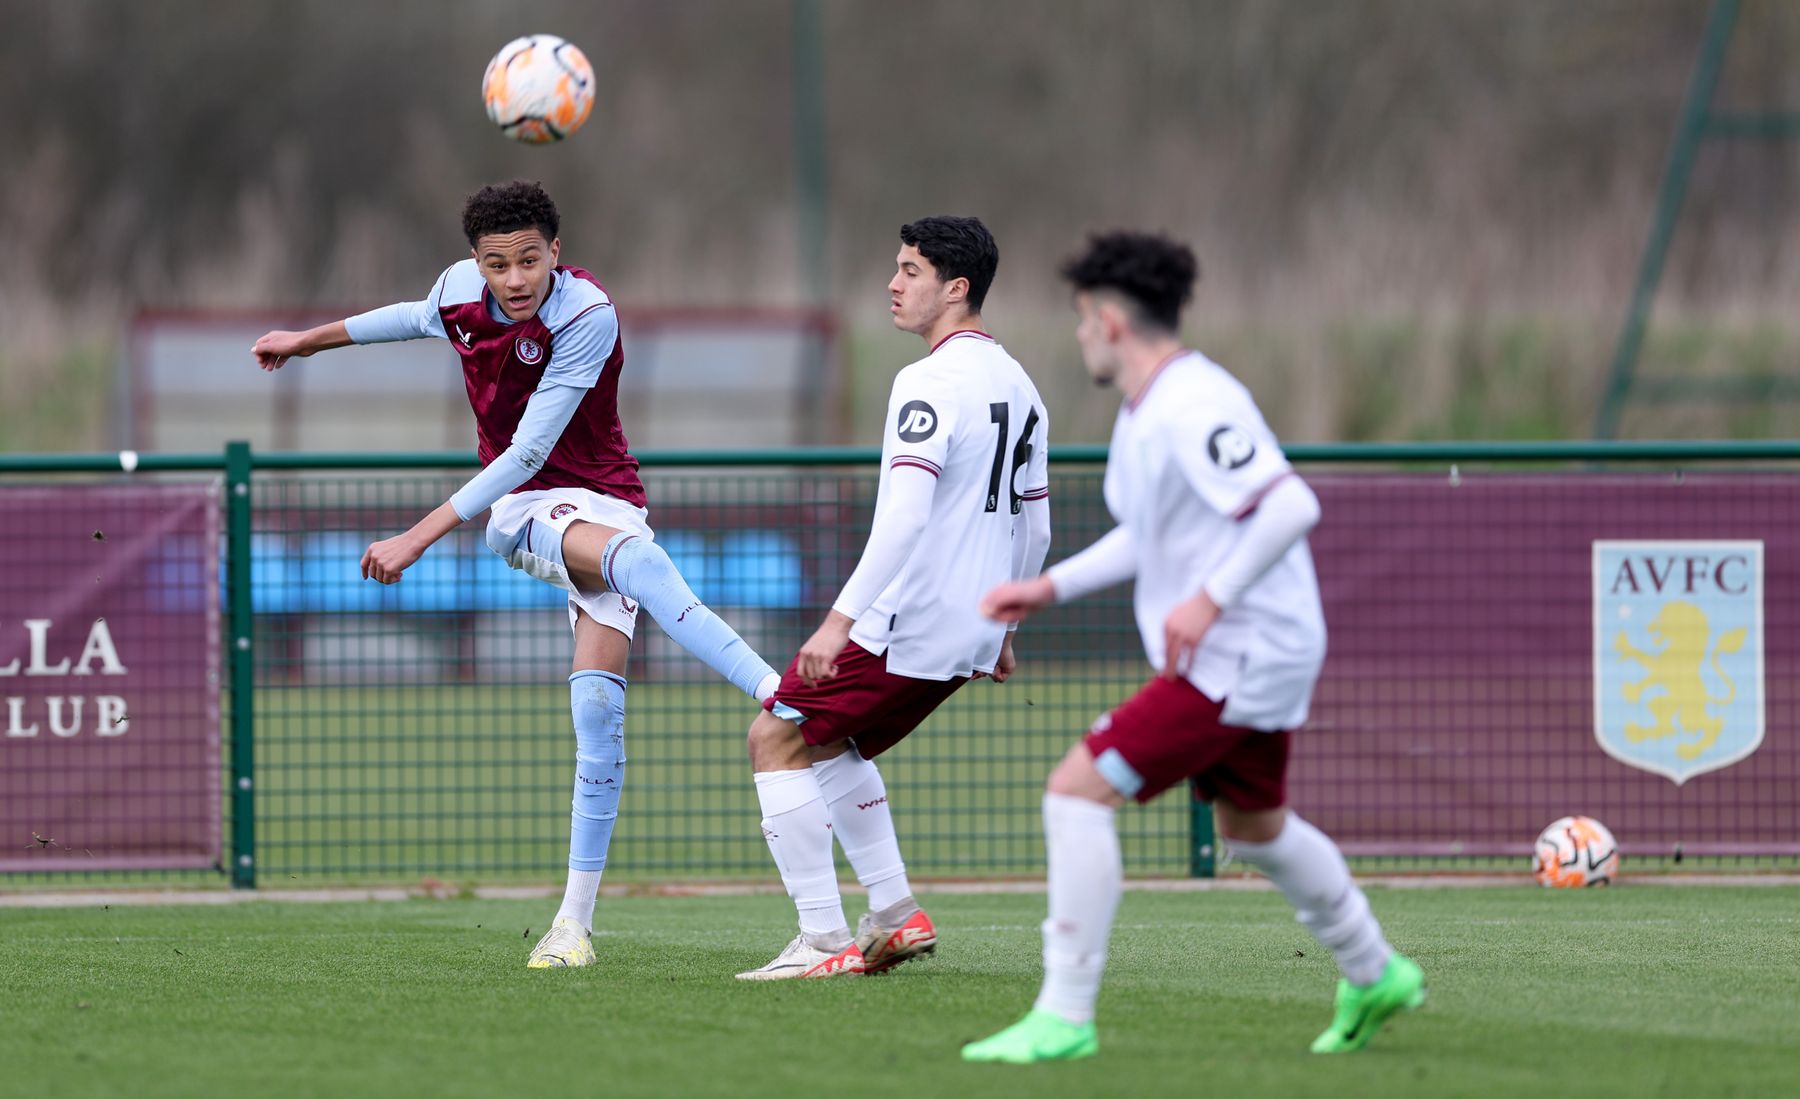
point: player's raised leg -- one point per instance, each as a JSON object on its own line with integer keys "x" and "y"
{"x": 602, "y": 558}
{"x": 894, "y": 929}
{"x": 797, "y": 826}
{"x": 597, "y": 705}
{"x": 1310, "y": 871}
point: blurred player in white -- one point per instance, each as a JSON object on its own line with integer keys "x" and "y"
{"x": 963, "y": 504}
{"x": 541, "y": 356}
{"x": 1212, "y": 523}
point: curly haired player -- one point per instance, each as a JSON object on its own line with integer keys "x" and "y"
{"x": 541, "y": 355}
{"x": 1212, "y": 524}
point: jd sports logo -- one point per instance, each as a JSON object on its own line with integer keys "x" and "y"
{"x": 917, "y": 421}
{"x": 1230, "y": 448}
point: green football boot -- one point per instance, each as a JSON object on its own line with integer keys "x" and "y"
{"x": 1362, "y": 1010}
{"x": 1039, "y": 1036}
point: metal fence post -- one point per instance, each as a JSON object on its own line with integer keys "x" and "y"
{"x": 239, "y": 625}
{"x": 1202, "y": 843}
{"x": 1689, "y": 130}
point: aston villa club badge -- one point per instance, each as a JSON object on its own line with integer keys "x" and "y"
{"x": 528, "y": 350}
{"x": 1678, "y": 654}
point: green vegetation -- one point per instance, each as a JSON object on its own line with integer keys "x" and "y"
{"x": 1376, "y": 378}
{"x": 1367, "y": 379}
{"x": 61, "y": 406}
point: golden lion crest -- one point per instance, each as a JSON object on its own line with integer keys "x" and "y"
{"x": 1684, "y": 706}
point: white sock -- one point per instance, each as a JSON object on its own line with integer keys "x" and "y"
{"x": 1086, "y": 878}
{"x": 1310, "y": 872}
{"x": 767, "y": 686}
{"x": 857, "y": 800}
{"x": 797, "y": 827}
{"x": 578, "y": 897}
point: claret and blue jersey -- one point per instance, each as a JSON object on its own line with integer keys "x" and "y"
{"x": 568, "y": 352}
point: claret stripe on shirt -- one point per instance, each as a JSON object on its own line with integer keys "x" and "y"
{"x": 914, "y": 460}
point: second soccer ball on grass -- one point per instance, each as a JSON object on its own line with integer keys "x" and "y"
{"x": 1574, "y": 852}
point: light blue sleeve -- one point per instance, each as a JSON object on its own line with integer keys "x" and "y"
{"x": 579, "y": 351}
{"x": 547, "y": 413}
{"x": 408, "y": 320}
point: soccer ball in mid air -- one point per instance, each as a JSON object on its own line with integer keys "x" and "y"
{"x": 538, "y": 89}
{"x": 1575, "y": 852}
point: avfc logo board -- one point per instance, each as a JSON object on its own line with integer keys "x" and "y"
{"x": 1678, "y": 654}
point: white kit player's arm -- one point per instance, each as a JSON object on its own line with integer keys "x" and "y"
{"x": 1283, "y": 515}
{"x": 1111, "y": 560}
{"x": 914, "y": 447}
{"x": 901, "y": 514}
{"x": 1033, "y": 546}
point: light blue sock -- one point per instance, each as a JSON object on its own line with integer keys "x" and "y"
{"x": 638, "y": 569}
{"x": 597, "y": 701}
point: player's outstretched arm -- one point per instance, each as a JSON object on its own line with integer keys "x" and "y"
{"x": 407, "y": 320}
{"x": 546, "y": 415}
{"x": 387, "y": 559}
{"x": 1015, "y": 600}
{"x": 274, "y": 349}
{"x": 1111, "y": 560}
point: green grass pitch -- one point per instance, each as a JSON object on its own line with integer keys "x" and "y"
{"x": 1629, "y": 992}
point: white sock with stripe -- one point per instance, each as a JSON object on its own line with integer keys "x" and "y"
{"x": 857, "y": 799}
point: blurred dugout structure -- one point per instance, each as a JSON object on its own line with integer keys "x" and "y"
{"x": 692, "y": 378}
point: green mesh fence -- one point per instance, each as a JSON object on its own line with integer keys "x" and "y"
{"x": 423, "y": 729}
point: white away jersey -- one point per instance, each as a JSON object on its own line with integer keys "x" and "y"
{"x": 968, "y": 414}
{"x": 1190, "y": 457}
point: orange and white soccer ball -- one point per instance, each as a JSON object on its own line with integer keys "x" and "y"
{"x": 1575, "y": 852}
{"x": 538, "y": 89}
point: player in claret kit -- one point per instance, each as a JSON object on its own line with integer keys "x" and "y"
{"x": 541, "y": 356}
{"x": 1212, "y": 523}
{"x": 962, "y": 505}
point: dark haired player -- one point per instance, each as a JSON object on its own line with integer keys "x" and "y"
{"x": 541, "y": 356}
{"x": 963, "y": 504}
{"x": 1212, "y": 524}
